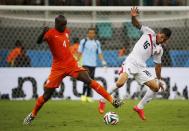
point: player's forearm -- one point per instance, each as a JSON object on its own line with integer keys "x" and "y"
{"x": 102, "y": 59}
{"x": 158, "y": 71}
{"x": 135, "y": 22}
{"x": 40, "y": 38}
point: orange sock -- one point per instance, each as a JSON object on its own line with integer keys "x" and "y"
{"x": 100, "y": 90}
{"x": 39, "y": 103}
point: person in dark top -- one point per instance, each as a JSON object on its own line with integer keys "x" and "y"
{"x": 22, "y": 60}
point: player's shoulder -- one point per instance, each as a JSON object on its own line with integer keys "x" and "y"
{"x": 51, "y": 31}
{"x": 83, "y": 40}
{"x": 97, "y": 41}
{"x": 147, "y": 30}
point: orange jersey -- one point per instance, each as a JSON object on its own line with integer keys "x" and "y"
{"x": 13, "y": 54}
{"x": 59, "y": 44}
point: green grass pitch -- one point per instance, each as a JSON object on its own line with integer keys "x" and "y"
{"x": 65, "y": 115}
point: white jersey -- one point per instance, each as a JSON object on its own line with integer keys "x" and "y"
{"x": 145, "y": 48}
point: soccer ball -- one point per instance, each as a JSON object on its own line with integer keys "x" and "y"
{"x": 111, "y": 118}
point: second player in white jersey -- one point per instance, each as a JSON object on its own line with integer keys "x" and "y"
{"x": 145, "y": 48}
{"x": 149, "y": 45}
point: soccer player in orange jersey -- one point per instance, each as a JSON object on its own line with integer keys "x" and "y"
{"x": 63, "y": 65}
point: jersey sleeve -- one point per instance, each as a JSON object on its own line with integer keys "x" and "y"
{"x": 99, "y": 47}
{"x": 146, "y": 30}
{"x": 47, "y": 36}
{"x": 80, "y": 49}
{"x": 157, "y": 57}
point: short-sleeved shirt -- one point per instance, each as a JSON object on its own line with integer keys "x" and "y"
{"x": 90, "y": 50}
{"x": 59, "y": 46}
{"x": 146, "y": 47}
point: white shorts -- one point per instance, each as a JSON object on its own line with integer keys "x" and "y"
{"x": 140, "y": 74}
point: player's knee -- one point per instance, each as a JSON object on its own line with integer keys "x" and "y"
{"x": 84, "y": 77}
{"x": 47, "y": 94}
{"x": 119, "y": 84}
{"x": 87, "y": 81}
{"x": 156, "y": 88}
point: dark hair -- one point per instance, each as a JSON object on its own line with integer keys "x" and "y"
{"x": 93, "y": 29}
{"x": 61, "y": 18}
{"x": 167, "y": 32}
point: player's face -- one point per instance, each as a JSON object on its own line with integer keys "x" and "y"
{"x": 91, "y": 34}
{"x": 60, "y": 25}
{"x": 161, "y": 38}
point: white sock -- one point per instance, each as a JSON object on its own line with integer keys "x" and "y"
{"x": 147, "y": 98}
{"x": 113, "y": 89}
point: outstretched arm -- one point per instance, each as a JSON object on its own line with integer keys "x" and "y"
{"x": 158, "y": 71}
{"x": 40, "y": 37}
{"x": 134, "y": 14}
{"x": 101, "y": 57}
{"x": 158, "y": 74}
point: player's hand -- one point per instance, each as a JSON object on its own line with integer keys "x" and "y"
{"x": 40, "y": 37}
{"x": 45, "y": 29}
{"x": 162, "y": 85}
{"x": 134, "y": 11}
{"x": 104, "y": 63}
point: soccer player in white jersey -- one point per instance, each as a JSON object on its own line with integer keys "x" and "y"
{"x": 149, "y": 45}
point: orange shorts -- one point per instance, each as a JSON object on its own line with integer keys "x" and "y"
{"x": 56, "y": 75}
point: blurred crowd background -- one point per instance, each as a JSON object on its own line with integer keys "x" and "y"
{"x": 19, "y": 30}
{"x": 97, "y": 2}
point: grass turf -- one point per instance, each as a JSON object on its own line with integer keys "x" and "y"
{"x": 162, "y": 115}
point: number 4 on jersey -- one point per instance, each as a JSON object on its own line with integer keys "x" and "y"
{"x": 64, "y": 43}
{"x": 146, "y": 45}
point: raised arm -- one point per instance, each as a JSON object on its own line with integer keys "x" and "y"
{"x": 40, "y": 38}
{"x": 134, "y": 14}
{"x": 101, "y": 57}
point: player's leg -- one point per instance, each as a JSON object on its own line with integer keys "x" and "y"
{"x": 153, "y": 88}
{"x": 89, "y": 90}
{"x": 42, "y": 100}
{"x": 123, "y": 77}
{"x": 39, "y": 103}
{"x": 151, "y": 91}
{"x": 83, "y": 96}
{"x": 53, "y": 82}
{"x": 84, "y": 76}
{"x": 85, "y": 88}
